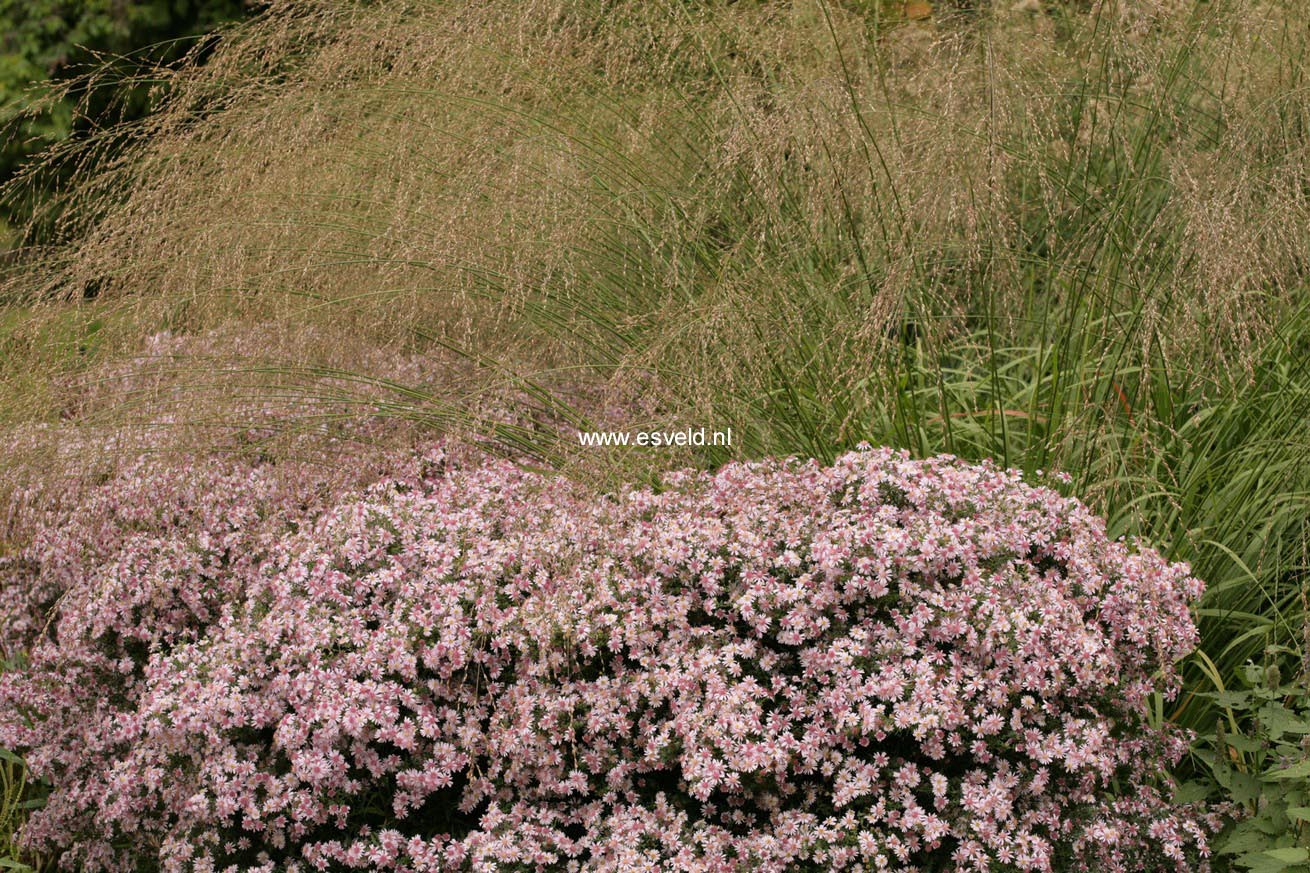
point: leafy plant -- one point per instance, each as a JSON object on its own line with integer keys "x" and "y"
{"x": 1257, "y": 761}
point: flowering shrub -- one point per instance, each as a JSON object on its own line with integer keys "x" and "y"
{"x": 883, "y": 664}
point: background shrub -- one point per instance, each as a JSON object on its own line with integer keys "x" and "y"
{"x": 47, "y": 48}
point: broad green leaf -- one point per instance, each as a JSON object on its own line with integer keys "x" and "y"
{"x": 1245, "y": 787}
{"x": 1273, "y": 820}
{"x": 1243, "y": 743}
{"x": 1279, "y": 720}
{"x": 1288, "y": 856}
{"x": 1299, "y": 770}
{"x": 1191, "y": 792}
{"x": 1244, "y": 839}
{"x": 1274, "y": 860}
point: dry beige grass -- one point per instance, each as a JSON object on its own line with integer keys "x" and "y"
{"x": 709, "y": 192}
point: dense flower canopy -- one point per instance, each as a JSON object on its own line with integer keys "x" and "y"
{"x": 885, "y": 664}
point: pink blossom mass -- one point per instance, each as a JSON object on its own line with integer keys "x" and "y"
{"x": 882, "y": 664}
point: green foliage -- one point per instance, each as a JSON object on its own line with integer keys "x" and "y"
{"x": 1257, "y": 761}
{"x": 14, "y": 804}
{"x": 45, "y": 43}
{"x": 18, "y": 796}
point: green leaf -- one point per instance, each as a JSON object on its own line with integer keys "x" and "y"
{"x": 1288, "y": 856}
{"x": 1274, "y": 860}
{"x": 1274, "y": 821}
{"x": 1279, "y": 720}
{"x": 1299, "y": 770}
{"x": 1243, "y": 743}
{"x": 1245, "y": 787}
{"x": 1244, "y": 839}
{"x": 1300, "y": 813}
{"x": 1191, "y": 792}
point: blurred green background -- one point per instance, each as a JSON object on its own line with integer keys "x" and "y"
{"x": 46, "y": 44}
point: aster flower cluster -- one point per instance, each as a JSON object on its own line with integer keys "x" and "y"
{"x": 885, "y": 664}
